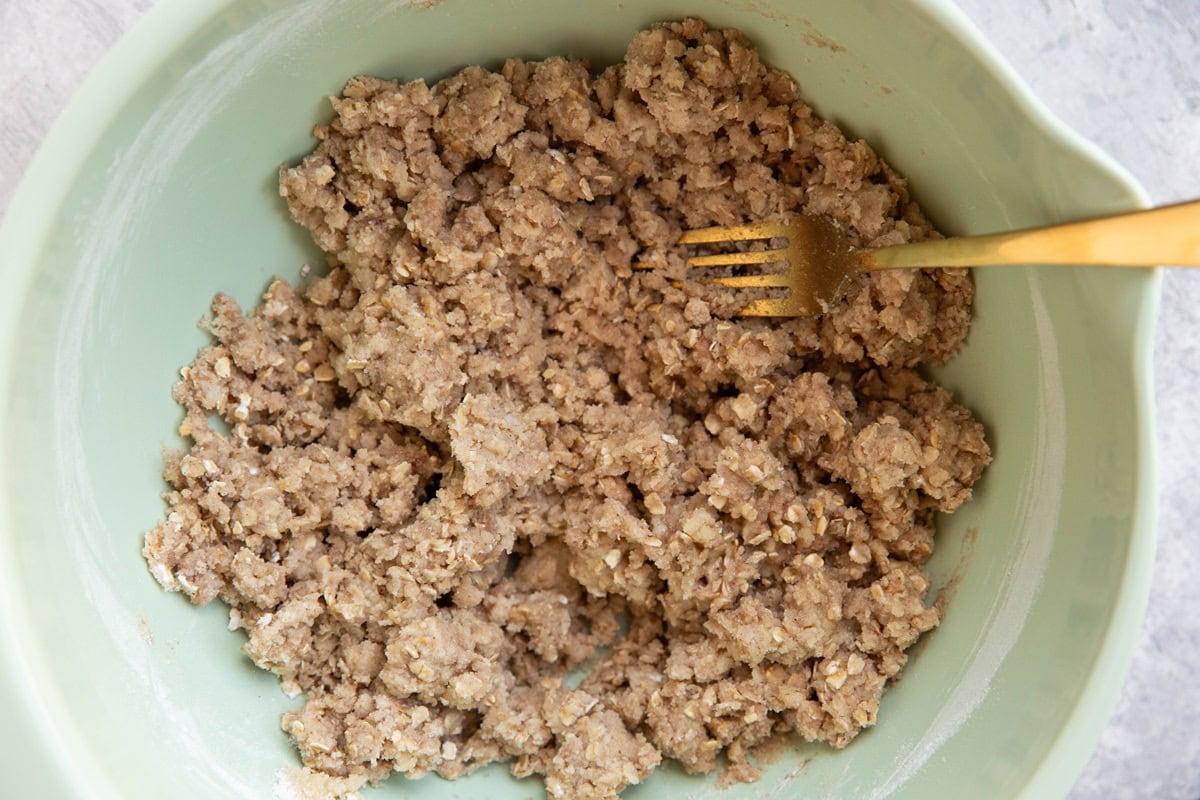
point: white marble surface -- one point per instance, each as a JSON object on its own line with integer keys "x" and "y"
{"x": 1125, "y": 73}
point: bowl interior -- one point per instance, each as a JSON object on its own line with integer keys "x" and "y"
{"x": 158, "y": 190}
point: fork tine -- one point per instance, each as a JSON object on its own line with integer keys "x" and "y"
{"x": 729, "y": 259}
{"x": 790, "y": 306}
{"x": 751, "y": 281}
{"x": 738, "y": 233}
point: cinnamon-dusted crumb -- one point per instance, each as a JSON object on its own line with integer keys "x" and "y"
{"x": 466, "y": 459}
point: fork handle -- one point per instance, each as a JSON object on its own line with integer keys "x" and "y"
{"x": 1166, "y": 235}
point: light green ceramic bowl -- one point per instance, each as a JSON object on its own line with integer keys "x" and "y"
{"x": 157, "y": 189}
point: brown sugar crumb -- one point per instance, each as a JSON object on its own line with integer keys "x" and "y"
{"x": 470, "y": 459}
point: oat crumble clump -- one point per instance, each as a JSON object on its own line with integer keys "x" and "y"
{"x": 467, "y": 458}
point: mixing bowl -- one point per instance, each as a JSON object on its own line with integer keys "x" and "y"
{"x": 157, "y": 188}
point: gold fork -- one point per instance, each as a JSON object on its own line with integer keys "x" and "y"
{"x": 821, "y": 260}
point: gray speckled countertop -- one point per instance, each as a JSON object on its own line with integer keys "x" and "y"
{"x": 1125, "y": 73}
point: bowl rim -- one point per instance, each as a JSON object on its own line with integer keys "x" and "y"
{"x": 1064, "y": 761}
{"x": 25, "y": 229}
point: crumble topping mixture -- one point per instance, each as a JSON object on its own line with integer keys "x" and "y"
{"x": 482, "y": 452}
